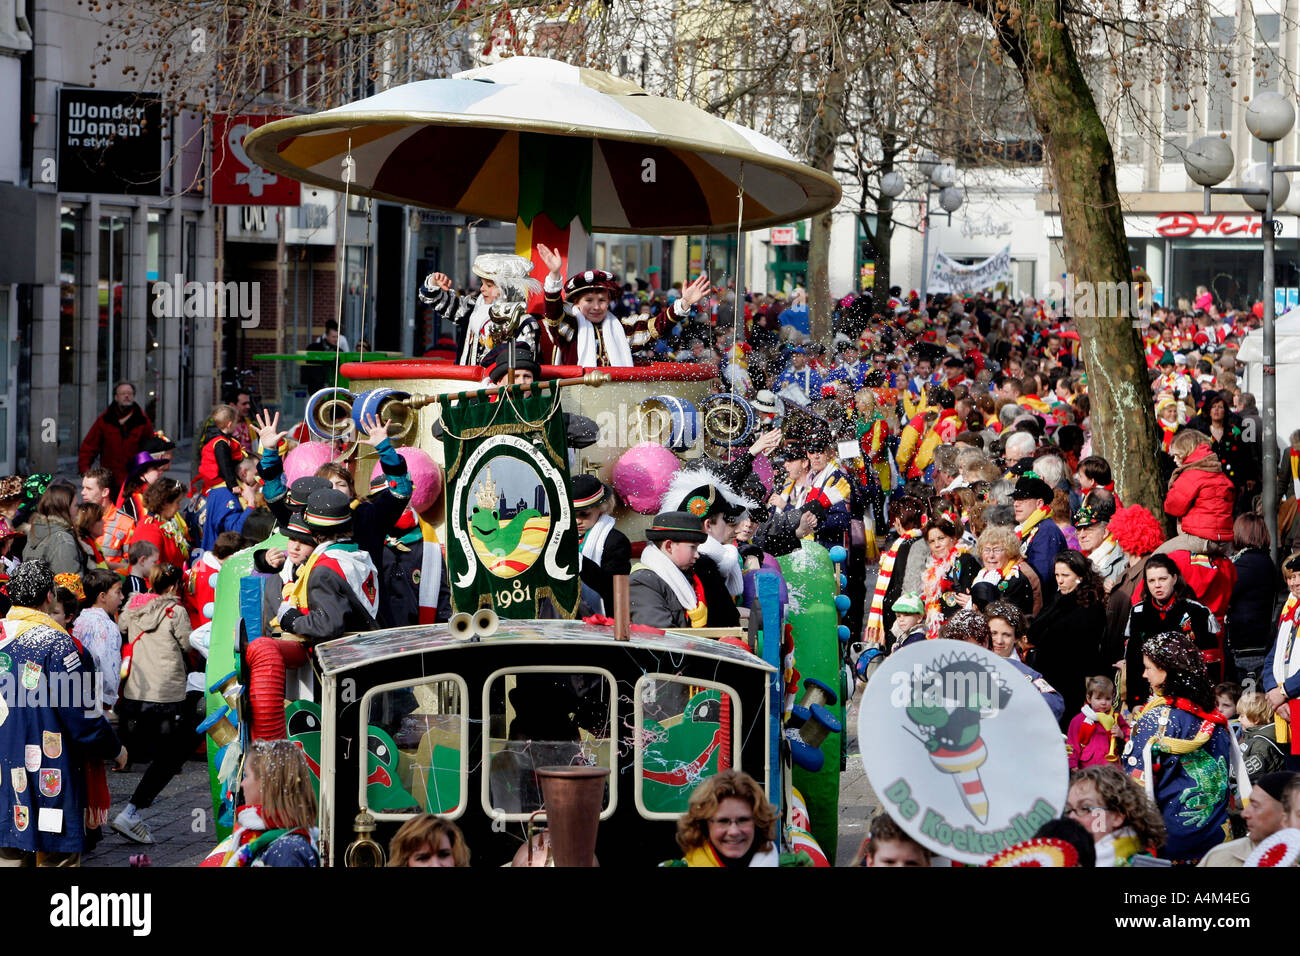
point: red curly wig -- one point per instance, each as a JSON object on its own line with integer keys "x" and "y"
{"x": 1136, "y": 530}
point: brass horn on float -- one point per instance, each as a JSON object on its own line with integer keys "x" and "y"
{"x": 329, "y": 414}
{"x": 461, "y": 625}
{"x": 400, "y": 415}
{"x": 396, "y": 410}
{"x": 485, "y": 622}
{"x": 573, "y": 798}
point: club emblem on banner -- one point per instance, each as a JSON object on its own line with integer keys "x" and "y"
{"x": 962, "y": 749}
{"x": 512, "y": 540}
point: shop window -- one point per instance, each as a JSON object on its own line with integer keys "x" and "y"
{"x": 544, "y": 717}
{"x": 685, "y": 731}
{"x": 416, "y": 748}
{"x": 72, "y": 239}
{"x": 114, "y": 301}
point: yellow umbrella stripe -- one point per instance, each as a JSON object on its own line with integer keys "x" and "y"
{"x": 496, "y": 185}
{"x": 719, "y": 191}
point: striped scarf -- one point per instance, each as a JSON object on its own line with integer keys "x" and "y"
{"x": 1026, "y": 530}
{"x": 876, "y": 617}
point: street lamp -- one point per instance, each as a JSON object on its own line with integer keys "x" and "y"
{"x": 940, "y": 178}
{"x": 1208, "y": 161}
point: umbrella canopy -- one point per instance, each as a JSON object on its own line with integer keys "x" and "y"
{"x": 530, "y": 135}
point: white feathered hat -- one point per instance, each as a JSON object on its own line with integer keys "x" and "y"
{"x": 509, "y": 272}
{"x": 701, "y": 490}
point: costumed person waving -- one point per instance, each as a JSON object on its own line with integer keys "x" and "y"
{"x": 504, "y": 278}
{"x": 1181, "y": 749}
{"x": 593, "y": 335}
{"x": 663, "y": 590}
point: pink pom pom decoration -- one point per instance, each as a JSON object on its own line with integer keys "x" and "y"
{"x": 426, "y": 477}
{"x": 305, "y": 459}
{"x": 642, "y": 476}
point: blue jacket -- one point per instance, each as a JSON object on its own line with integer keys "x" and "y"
{"x": 1266, "y": 678}
{"x": 807, "y": 378}
{"x": 855, "y": 378}
{"x": 292, "y": 849}
{"x": 1191, "y": 789}
{"x": 1050, "y": 694}
{"x": 52, "y": 728}
{"x": 1047, "y": 542}
{"x": 225, "y": 512}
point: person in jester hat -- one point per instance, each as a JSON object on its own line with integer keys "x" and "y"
{"x": 336, "y": 591}
{"x": 1181, "y": 749}
{"x": 592, "y": 335}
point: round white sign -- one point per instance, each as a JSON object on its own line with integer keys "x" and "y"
{"x": 961, "y": 749}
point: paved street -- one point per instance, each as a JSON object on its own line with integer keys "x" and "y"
{"x": 858, "y": 802}
{"x": 180, "y": 820}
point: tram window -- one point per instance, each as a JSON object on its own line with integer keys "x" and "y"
{"x": 416, "y": 748}
{"x": 685, "y": 731}
{"x": 539, "y": 717}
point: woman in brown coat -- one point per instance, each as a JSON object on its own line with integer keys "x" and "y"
{"x": 153, "y": 703}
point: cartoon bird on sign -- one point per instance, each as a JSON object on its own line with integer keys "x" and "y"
{"x": 683, "y": 749}
{"x": 947, "y": 704}
{"x": 505, "y": 549}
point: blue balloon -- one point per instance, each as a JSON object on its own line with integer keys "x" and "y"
{"x": 843, "y": 632}
{"x": 844, "y": 580}
{"x": 841, "y": 602}
{"x": 838, "y": 554}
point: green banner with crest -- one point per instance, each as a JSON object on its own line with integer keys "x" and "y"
{"x": 511, "y": 539}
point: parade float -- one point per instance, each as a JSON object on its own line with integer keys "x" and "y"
{"x": 510, "y": 712}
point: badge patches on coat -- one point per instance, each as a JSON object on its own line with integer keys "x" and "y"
{"x": 32, "y": 757}
{"x": 31, "y": 675}
{"x": 72, "y": 660}
{"x": 18, "y": 777}
{"x": 6, "y": 663}
{"x": 21, "y": 817}
{"x": 51, "y": 744}
{"x": 51, "y": 782}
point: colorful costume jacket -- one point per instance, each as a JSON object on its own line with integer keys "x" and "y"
{"x": 44, "y": 747}
{"x": 1183, "y": 756}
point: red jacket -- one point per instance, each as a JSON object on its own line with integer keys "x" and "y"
{"x": 1211, "y": 578}
{"x": 1202, "y": 498}
{"x": 115, "y": 445}
{"x": 170, "y": 551}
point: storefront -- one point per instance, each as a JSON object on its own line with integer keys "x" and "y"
{"x": 1222, "y": 252}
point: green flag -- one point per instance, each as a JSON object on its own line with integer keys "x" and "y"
{"x": 511, "y": 538}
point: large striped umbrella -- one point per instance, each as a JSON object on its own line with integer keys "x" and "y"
{"x": 531, "y": 135}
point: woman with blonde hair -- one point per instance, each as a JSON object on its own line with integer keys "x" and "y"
{"x": 729, "y": 823}
{"x": 428, "y": 840}
{"x": 276, "y": 824}
{"x": 1002, "y": 577}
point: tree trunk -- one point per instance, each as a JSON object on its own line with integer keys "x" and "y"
{"x": 1082, "y": 166}
{"x": 826, "y": 134}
